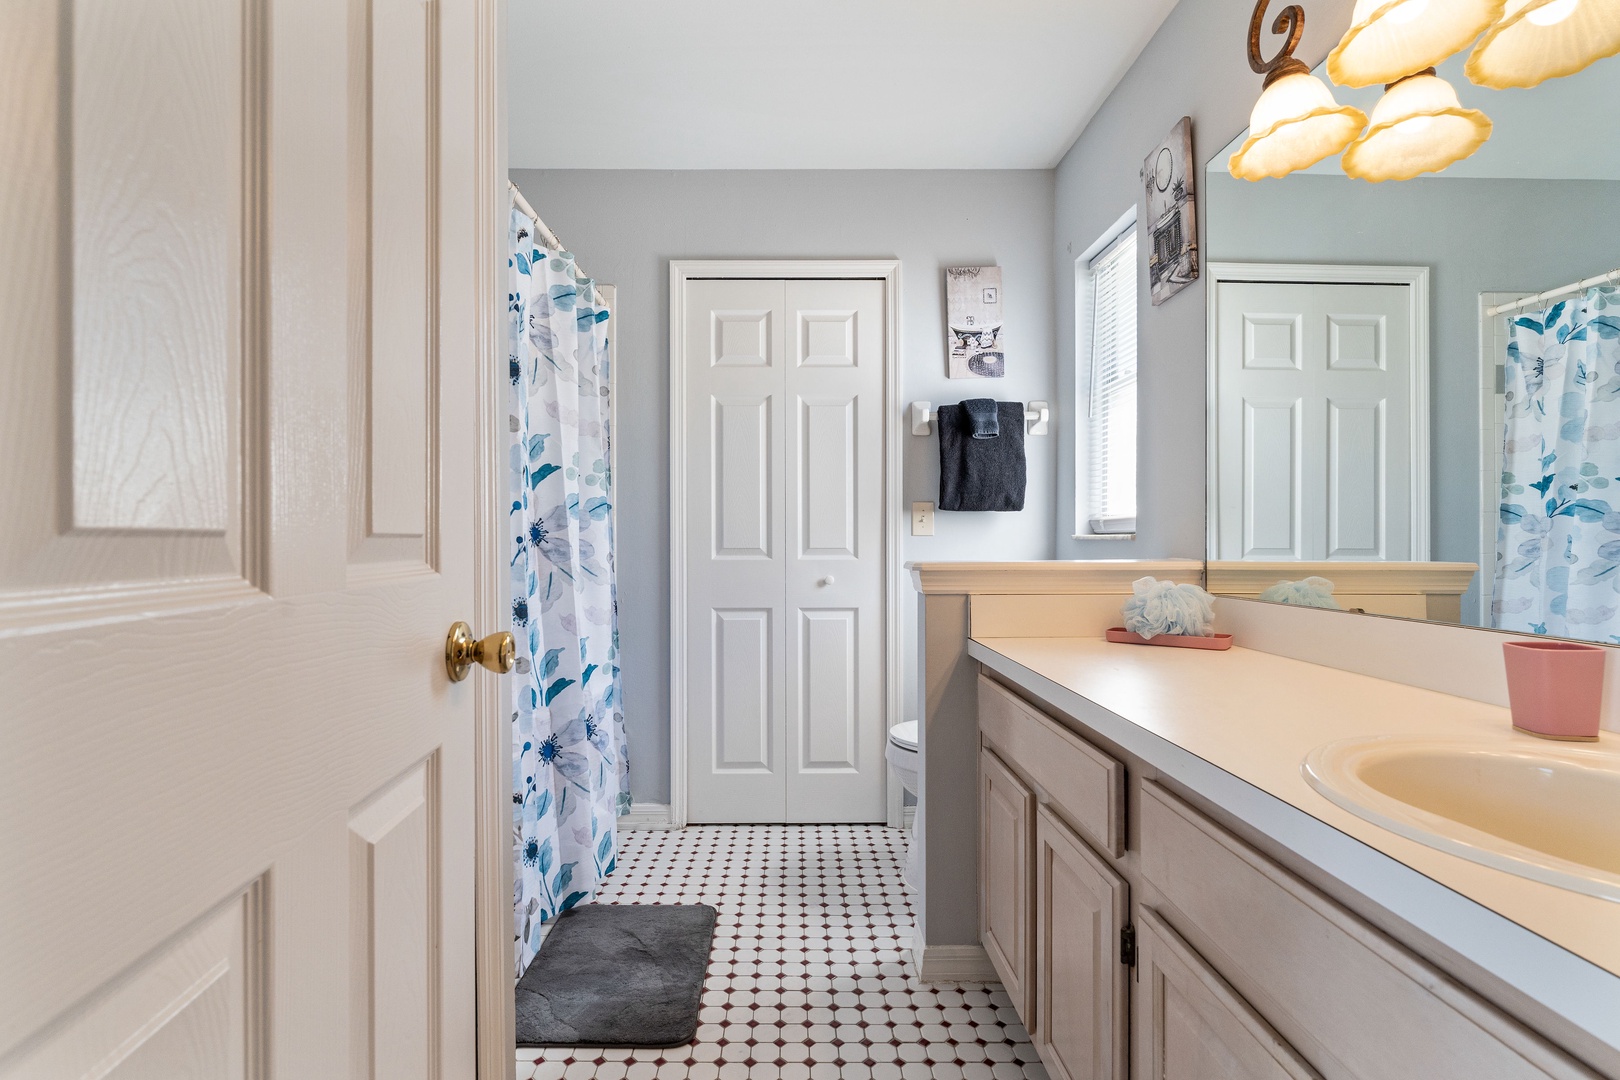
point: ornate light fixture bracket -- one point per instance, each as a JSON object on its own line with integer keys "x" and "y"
{"x": 1291, "y": 22}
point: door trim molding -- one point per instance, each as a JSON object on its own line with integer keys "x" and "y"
{"x": 492, "y": 742}
{"x": 1417, "y": 279}
{"x": 680, "y": 272}
{"x": 1490, "y": 450}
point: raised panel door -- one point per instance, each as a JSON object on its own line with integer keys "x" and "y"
{"x": 236, "y": 796}
{"x": 1080, "y": 1022}
{"x": 833, "y": 567}
{"x": 1313, "y": 400}
{"x": 1006, "y": 839}
{"x": 1191, "y": 1025}
{"x": 736, "y": 544}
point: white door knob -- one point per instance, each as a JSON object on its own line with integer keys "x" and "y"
{"x": 826, "y": 581}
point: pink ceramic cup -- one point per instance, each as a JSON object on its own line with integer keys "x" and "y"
{"x": 1555, "y": 688}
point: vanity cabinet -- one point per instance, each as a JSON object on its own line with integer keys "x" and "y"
{"x": 1047, "y": 792}
{"x": 1230, "y": 964}
{"x": 1006, "y": 837}
{"x": 1352, "y": 1000}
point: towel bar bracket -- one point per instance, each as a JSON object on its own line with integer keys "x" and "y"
{"x": 1037, "y": 418}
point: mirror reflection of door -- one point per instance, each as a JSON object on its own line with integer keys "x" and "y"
{"x": 1317, "y": 456}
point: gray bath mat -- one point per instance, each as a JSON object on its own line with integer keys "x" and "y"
{"x": 617, "y": 975}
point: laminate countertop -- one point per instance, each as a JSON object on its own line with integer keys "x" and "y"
{"x": 1235, "y": 727}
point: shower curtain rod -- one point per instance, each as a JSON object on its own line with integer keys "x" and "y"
{"x": 1529, "y": 301}
{"x": 544, "y": 233}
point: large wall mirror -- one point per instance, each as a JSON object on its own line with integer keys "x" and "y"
{"x": 1383, "y": 440}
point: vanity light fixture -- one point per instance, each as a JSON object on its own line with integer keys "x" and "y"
{"x": 1390, "y": 39}
{"x": 1536, "y": 40}
{"x": 1418, "y": 126}
{"x": 1296, "y": 122}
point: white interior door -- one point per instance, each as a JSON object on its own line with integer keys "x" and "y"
{"x": 1313, "y": 414}
{"x": 238, "y": 360}
{"x": 784, "y": 579}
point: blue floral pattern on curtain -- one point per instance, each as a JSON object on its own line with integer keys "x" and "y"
{"x": 570, "y": 771}
{"x": 1558, "y": 537}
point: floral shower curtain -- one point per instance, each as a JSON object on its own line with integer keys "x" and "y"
{"x": 1558, "y": 537}
{"x": 570, "y": 772}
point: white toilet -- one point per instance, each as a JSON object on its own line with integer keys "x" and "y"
{"x": 906, "y": 763}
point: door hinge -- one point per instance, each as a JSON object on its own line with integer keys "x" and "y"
{"x": 1127, "y": 945}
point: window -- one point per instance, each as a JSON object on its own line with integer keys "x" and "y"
{"x": 1110, "y": 281}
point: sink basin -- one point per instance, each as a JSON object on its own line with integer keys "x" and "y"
{"x": 1548, "y": 813}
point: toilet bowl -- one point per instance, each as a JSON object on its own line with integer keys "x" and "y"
{"x": 902, "y": 753}
{"x": 905, "y": 760}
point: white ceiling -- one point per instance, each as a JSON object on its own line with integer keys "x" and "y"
{"x": 813, "y": 84}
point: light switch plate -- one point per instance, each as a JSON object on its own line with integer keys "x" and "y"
{"x": 922, "y": 519}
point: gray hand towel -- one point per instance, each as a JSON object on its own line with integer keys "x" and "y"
{"x": 981, "y": 474}
{"x": 982, "y": 414}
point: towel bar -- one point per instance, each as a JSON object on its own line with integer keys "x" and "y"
{"x": 1037, "y": 414}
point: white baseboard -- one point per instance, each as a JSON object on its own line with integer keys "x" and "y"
{"x": 650, "y": 815}
{"x": 646, "y": 815}
{"x": 955, "y": 964}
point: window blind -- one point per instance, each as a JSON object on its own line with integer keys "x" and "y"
{"x": 1112, "y": 451}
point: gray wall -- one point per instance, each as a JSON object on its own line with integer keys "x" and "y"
{"x": 1461, "y": 229}
{"x": 625, "y": 227}
{"x": 1195, "y": 66}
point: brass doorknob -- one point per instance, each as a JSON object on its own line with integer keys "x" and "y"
{"x": 497, "y": 652}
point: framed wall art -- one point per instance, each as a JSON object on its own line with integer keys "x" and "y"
{"x": 1172, "y": 219}
{"x": 973, "y": 317}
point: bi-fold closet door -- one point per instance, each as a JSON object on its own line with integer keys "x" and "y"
{"x": 1315, "y": 453}
{"x": 784, "y": 583}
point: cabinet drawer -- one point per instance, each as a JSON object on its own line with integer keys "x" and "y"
{"x": 1354, "y": 1002}
{"x": 1085, "y": 784}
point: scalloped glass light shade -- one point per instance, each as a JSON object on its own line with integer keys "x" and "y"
{"x": 1537, "y": 40}
{"x": 1417, "y": 127}
{"x": 1295, "y": 124}
{"x": 1390, "y": 39}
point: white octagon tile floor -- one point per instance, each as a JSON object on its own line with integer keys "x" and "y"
{"x": 810, "y": 977}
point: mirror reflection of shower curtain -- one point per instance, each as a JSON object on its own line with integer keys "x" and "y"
{"x": 570, "y": 771}
{"x": 1558, "y": 532}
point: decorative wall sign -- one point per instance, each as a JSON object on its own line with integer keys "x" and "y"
{"x": 1172, "y": 220}
{"x": 973, "y": 317}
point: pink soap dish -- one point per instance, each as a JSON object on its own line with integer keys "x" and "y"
{"x": 1121, "y": 636}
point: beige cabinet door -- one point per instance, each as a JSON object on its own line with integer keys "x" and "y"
{"x": 1191, "y": 1025}
{"x": 1081, "y": 985}
{"x": 1006, "y": 837}
{"x": 240, "y": 327}
{"x": 784, "y": 574}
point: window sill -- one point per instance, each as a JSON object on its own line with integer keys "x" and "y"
{"x": 1105, "y": 536}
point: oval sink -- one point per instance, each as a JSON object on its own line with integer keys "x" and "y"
{"x": 1551, "y": 814}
